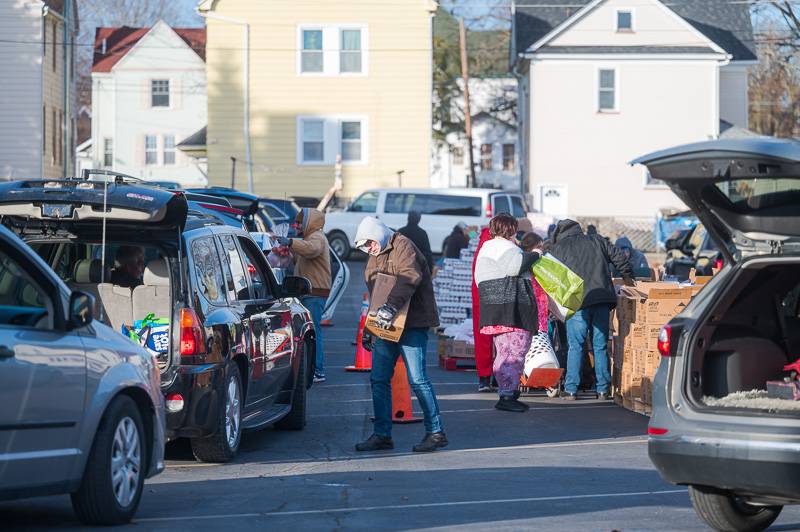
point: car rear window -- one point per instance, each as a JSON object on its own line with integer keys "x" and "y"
{"x": 501, "y": 204}
{"x": 438, "y": 204}
{"x": 208, "y": 271}
{"x": 754, "y": 194}
{"x": 517, "y": 207}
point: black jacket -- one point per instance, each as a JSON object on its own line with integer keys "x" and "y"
{"x": 419, "y": 237}
{"x": 455, "y": 243}
{"x": 589, "y": 257}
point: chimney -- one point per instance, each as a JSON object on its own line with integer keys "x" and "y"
{"x": 104, "y": 46}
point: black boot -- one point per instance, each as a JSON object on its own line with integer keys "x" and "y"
{"x": 375, "y": 443}
{"x": 431, "y": 442}
{"x": 516, "y": 398}
{"x": 509, "y": 404}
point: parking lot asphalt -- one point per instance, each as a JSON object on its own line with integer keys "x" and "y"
{"x": 579, "y": 466}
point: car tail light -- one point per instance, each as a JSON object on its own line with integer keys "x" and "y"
{"x": 665, "y": 341}
{"x": 719, "y": 264}
{"x": 655, "y": 431}
{"x": 174, "y": 402}
{"x": 489, "y": 209}
{"x": 193, "y": 341}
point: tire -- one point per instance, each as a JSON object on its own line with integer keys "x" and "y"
{"x": 296, "y": 418}
{"x": 223, "y": 445}
{"x": 339, "y": 244}
{"x": 110, "y": 490}
{"x": 723, "y": 511}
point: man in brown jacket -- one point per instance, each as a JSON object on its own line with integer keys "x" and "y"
{"x": 313, "y": 261}
{"x": 394, "y": 254}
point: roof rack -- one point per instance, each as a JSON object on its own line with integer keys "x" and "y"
{"x": 119, "y": 178}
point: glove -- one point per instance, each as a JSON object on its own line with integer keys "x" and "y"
{"x": 384, "y": 316}
{"x": 367, "y": 340}
{"x": 284, "y": 241}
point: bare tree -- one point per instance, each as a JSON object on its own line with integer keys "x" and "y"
{"x": 775, "y": 88}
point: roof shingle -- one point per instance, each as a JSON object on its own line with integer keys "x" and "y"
{"x": 120, "y": 40}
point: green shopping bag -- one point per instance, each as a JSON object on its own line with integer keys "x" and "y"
{"x": 563, "y": 286}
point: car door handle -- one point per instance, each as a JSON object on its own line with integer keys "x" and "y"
{"x": 5, "y": 352}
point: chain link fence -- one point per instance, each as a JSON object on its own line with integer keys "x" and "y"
{"x": 638, "y": 230}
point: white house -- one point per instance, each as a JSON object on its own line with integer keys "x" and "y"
{"x": 38, "y": 100}
{"x": 148, "y": 96}
{"x": 604, "y": 81}
{"x": 494, "y": 139}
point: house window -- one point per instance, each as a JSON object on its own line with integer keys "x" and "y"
{"x": 150, "y": 150}
{"x": 486, "y": 157}
{"x": 108, "y": 153}
{"x": 624, "y": 21}
{"x": 53, "y": 141}
{"x": 351, "y": 141}
{"x": 458, "y": 156}
{"x": 350, "y": 51}
{"x": 53, "y": 45}
{"x": 313, "y": 135}
{"x": 508, "y": 157}
{"x": 159, "y": 93}
{"x": 312, "y": 60}
{"x": 169, "y": 149}
{"x": 607, "y": 90}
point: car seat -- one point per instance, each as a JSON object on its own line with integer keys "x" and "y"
{"x": 154, "y": 296}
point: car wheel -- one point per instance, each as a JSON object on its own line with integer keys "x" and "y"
{"x": 339, "y": 244}
{"x": 296, "y": 418}
{"x": 114, "y": 476}
{"x": 223, "y": 445}
{"x": 724, "y": 511}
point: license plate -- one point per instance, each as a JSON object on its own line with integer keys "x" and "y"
{"x": 56, "y": 210}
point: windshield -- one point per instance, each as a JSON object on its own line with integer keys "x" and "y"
{"x": 754, "y": 194}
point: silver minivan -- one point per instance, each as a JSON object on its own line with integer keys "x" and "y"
{"x": 81, "y": 409}
{"x": 718, "y": 425}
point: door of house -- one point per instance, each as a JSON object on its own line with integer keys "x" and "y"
{"x": 553, "y": 200}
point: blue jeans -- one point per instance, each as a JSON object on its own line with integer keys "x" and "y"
{"x": 413, "y": 345}
{"x": 316, "y": 305}
{"x": 595, "y": 318}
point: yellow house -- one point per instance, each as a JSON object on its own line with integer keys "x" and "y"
{"x": 292, "y": 85}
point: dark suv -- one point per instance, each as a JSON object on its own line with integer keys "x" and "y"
{"x": 235, "y": 349}
{"x": 716, "y": 427}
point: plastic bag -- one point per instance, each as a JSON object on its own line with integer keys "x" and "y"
{"x": 150, "y": 332}
{"x": 540, "y": 354}
{"x": 563, "y": 286}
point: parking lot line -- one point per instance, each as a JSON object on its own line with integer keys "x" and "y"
{"x": 465, "y": 410}
{"x": 409, "y": 506}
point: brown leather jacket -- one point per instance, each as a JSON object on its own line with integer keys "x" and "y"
{"x": 402, "y": 259}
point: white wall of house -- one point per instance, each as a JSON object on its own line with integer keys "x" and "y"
{"x": 21, "y": 97}
{"x": 734, "y": 94}
{"x": 123, "y": 109}
{"x": 582, "y": 154}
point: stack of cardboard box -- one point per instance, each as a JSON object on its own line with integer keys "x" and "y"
{"x": 640, "y": 314}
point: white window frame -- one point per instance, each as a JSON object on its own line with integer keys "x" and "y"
{"x": 165, "y": 150}
{"x": 633, "y": 19}
{"x": 489, "y": 157}
{"x": 360, "y": 141}
{"x": 503, "y": 156}
{"x": 332, "y": 139}
{"x": 169, "y": 93}
{"x": 617, "y": 92}
{"x": 331, "y": 48}
{"x": 156, "y": 150}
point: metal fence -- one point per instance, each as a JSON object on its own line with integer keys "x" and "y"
{"x": 638, "y": 230}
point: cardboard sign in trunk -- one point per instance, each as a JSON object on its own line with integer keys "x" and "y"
{"x": 380, "y": 293}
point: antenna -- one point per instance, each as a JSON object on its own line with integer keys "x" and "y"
{"x": 103, "y": 241}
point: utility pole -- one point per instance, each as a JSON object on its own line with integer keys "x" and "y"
{"x": 233, "y": 172}
{"x": 462, "y": 38}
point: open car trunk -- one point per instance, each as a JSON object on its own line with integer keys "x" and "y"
{"x": 749, "y": 333}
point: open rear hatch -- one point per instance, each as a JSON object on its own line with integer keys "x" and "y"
{"x": 79, "y": 206}
{"x": 745, "y": 191}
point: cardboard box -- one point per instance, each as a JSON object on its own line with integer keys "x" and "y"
{"x": 459, "y": 349}
{"x": 645, "y": 336}
{"x": 380, "y": 293}
{"x": 654, "y": 303}
{"x": 639, "y": 362}
{"x": 652, "y": 363}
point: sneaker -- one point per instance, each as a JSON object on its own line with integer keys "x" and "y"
{"x": 569, "y": 396}
{"x": 603, "y": 396}
{"x": 431, "y": 442}
{"x": 375, "y": 443}
{"x": 485, "y": 385}
{"x": 319, "y": 377}
{"x": 509, "y": 404}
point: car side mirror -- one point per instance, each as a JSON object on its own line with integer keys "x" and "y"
{"x": 294, "y": 286}
{"x": 81, "y": 309}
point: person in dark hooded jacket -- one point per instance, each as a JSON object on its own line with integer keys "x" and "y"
{"x": 457, "y": 241}
{"x": 637, "y": 259}
{"x": 418, "y": 236}
{"x": 589, "y": 257}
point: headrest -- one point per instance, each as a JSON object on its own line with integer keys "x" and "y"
{"x": 87, "y": 271}
{"x": 156, "y": 273}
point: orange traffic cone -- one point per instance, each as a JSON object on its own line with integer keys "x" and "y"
{"x": 401, "y": 396}
{"x": 363, "y": 357}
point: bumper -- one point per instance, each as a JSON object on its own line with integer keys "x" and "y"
{"x": 201, "y": 388}
{"x": 746, "y": 467}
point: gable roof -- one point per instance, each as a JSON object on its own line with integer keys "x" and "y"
{"x": 120, "y": 40}
{"x": 725, "y": 23}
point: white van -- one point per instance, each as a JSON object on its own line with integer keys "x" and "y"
{"x": 441, "y": 210}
